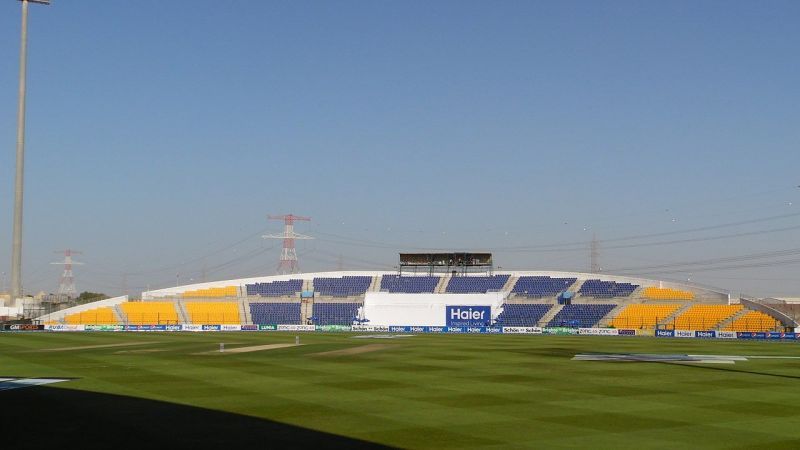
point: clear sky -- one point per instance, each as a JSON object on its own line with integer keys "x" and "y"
{"x": 161, "y": 133}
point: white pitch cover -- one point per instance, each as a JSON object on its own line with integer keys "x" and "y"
{"x": 386, "y": 308}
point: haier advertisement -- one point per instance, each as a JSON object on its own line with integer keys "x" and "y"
{"x": 468, "y": 316}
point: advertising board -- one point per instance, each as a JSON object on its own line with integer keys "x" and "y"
{"x": 559, "y": 330}
{"x": 210, "y": 327}
{"x": 191, "y": 327}
{"x": 726, "y": 334}
{"x": 249, "y": 327}
{"x": 230, "y": 327}
{"x": 293, "y": 327}
{"x": 104, "y": 327}
{"x": 522, "y": 330}
{"x": 267, "y": 327}
{"x": 467, "y": 315}
{"x": 684, "y": 333}
{"x": 626, "y": 332}
{"x": 332, "y": 328}
{"x": 705, "y": 334}
{"x": 665, "y": 333}
{"x": 599, "y": 331}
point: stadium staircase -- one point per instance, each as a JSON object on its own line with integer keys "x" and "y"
{"x": 512, "y": 280}
{"x": 119, "y": 314}
{"x": 244, "y": 313}
{"x": 672, "y": 316}
{"x": 550, "y": 314}
{"x": 576, "y": 286}
{"x": 725, "y": 323}
{"x": 606, "y": 320}
{"x": 441, "y": 288}
{"x": 375, "y": 286}
{"x": 183, "y": 316}
{"x": 306, "y": 310}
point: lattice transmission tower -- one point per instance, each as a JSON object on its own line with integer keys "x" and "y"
{"x": 67, "y": 285}
{"x": 288, "y": 262}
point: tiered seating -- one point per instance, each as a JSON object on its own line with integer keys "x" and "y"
{"x": 474, "y": 285}
{"x": 606, "y": 289}
{"x": 580, "y": 315}
{"x": 275, "y": 313}
{"x": 754, "y": 321}
{"x": 657, "y": 293}
{"x": 275, "y": 288}
{"x": 541, "y": 286}
{"x": 342, "y": 287}
{"x": 96, "y": 316}
{"x": 335, "y": 313}
{"x": 409, "y": 285}
{"x": 227, "y": 291}
{"x": 522, "y": 315}
{"x": 703, "y": 317}
{"x": 150, "y": 313}
{"x": 639, "y": 315}
{"x": 213, "y": 312}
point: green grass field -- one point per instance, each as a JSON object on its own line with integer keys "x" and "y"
{"x": 426, "y": 391}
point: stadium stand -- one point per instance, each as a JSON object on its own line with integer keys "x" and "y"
{"x": 150, "y": 313}
{"x": 643, "y": 316}
{"x": 335, "y": 313}
{"x": 580, "y": 315}
{"x": 522, "y": 314}
{"x": 227, "y": 291}
{"x": 275, "y": 288}
{"x": 213, "y": 312}
{"x": 606, "y": 289}
{"x": 754, "y": 321}
{"x": 703, "y": 317}
{"x": 96, "y": 316}
{"x": 657, "y": 293}
{"x": 540, "y": 286}
{"x": 342, "y": 287}
{"x": 275, "y": 313}
{"x": 409, "y": 285}
{"x": 476, "y": 285}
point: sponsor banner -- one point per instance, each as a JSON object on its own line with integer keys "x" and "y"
{"x": 249, "y": 327}
{"x": 332, "y": 328}
{"x": 522, "y": 330}
{"x": 780, "y": 335}
{"x": 684, "y": 333}
{"x": 22, "y": 327}
{"x": 267, "y": 327}
{"x": 726, "y": 334}
{"x": 210, "y": 327}
{"x": 437, "y": 329}
{"x": 494, "y": 330}
{"x": 417, "y": 329}
{"x": 627, "y": 332}
{"x": 456, "y": 329}
{"x": 145, "y": 328}
{"x": 175, "y": 327}
{"x": 105, "y": 327}
{"x": 599, "y": 331}
{"x": 399, "y": 329}
{"x": 559, "y": 330}
{"x": 705, "y": 334}
{"x": 191, "y": 327}
{"x": 293, "y": 327}
{"x": 468, "y": 315}
{"x": 479, "y": 330}
{"x": 665, "y": 333}
{"x": 646, "y": 332}
{"x": 64, "y": 327}
{"x": 381, "y": 328}
{"x": 362, "y": 328}
{"x": 751, "y": 335}
{"x": 230, "y": 327}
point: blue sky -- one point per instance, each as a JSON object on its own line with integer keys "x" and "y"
{"x": 161, "y": 134}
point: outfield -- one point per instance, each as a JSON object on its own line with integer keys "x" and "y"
{"x": 432, "y": 391}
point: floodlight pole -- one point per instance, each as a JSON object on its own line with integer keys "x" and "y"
{"x": 16, "y": 250}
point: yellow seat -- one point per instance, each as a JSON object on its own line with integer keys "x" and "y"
{"x": 96, "y": 316}
{"x": 150, "y": 313}
{"x": 638, "y": 315}
{"x": 213, "y": 312}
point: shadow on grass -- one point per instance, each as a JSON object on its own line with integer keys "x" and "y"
{"x": 36, "y": 417}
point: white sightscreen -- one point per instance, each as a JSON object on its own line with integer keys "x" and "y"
{"x": 384, "y": 308}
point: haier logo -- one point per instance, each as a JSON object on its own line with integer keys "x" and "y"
{"x": 468, "y": 316}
